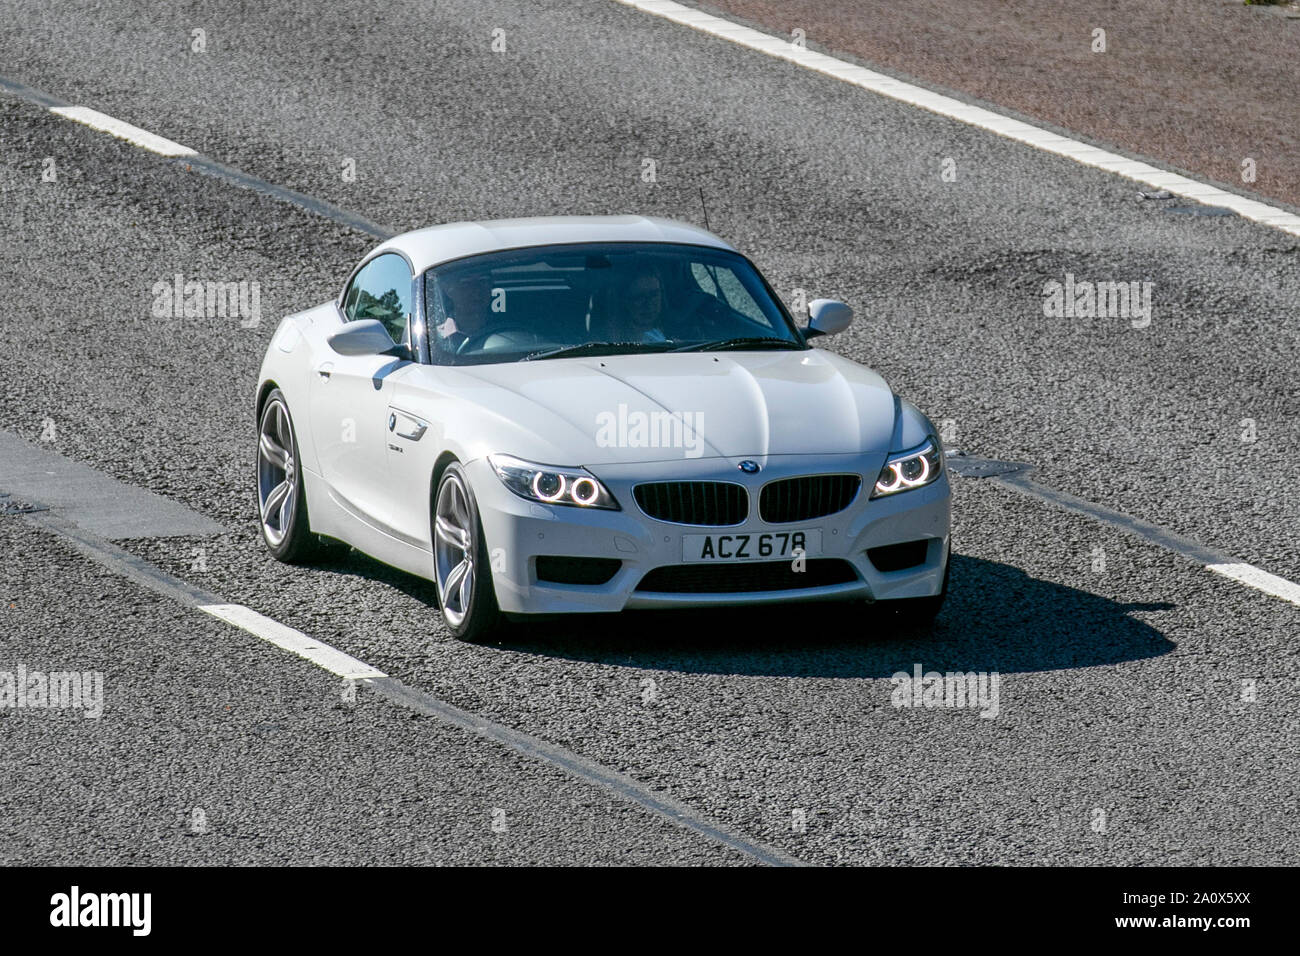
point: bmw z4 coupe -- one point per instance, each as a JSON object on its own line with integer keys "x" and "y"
{"x": 588, "y": 414}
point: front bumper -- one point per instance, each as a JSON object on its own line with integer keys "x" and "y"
{"x": 518, "y": 531}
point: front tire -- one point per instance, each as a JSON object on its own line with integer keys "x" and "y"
{"x": 281, "y": 499}
{"x": 462, "y": 572}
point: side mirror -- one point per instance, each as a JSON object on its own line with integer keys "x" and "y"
{"x": 826, "y": 317}
{"x": 363, "y": 337}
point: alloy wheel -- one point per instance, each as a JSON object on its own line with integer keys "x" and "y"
{"x": 454, "y": 544}
{"x": 277, "y": 472}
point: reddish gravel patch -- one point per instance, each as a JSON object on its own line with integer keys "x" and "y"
{"x": 1198, "y": 84}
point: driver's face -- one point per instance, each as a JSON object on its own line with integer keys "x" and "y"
{"x": 471, "y": 303}
{"x": 645, "y": 301}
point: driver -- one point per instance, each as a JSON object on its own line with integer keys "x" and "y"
{"x": 467, "y": 302}
{"x": 640, "y": 313}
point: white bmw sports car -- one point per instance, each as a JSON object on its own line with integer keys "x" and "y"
{"x": 584, "y": 414}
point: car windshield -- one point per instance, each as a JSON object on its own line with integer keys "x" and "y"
{"x": 561, "y": 301}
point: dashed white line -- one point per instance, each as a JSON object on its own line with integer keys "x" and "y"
{"x": 1260, "y": 579}
{"x": 115, "y": 127}
{"x": 268, "y": 629}
{"x": 1209, "y": 558}
{"x": 1005, "y": 126}
{"x": 101, "y": 122}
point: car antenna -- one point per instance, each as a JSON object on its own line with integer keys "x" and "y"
{"x": 705, "y": 207}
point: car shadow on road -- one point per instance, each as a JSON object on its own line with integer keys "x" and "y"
{"x": 996, "y": 618}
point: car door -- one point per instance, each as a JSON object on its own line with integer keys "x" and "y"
{"x": 350, "y": 394}
{"x": 414, "y": 441}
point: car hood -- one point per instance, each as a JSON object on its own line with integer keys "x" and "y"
{"x": 659, "y": 407}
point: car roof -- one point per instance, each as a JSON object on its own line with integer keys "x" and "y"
{"x": 437, "y": 244}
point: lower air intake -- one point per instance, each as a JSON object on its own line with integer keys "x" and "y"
{"x": 747, "y": 578}
{"x": 898, "y": 557}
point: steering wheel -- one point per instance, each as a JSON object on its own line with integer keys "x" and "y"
{"x": 509, "y": 335}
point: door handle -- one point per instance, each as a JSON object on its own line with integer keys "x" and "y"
{"x": 324, "y": 370}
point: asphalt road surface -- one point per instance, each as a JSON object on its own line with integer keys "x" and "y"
{"x": 1147, "y": 707}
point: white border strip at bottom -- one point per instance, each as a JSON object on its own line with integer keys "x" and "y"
{"x": 1084, "y": 153}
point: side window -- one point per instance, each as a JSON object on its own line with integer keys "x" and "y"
{"x": 382, "y": 290}
{"x": 724, "y": 285}
{"x": 703, "y": 279}
{"x": 738, "y": 297}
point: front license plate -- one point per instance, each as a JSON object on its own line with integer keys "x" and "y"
{"x": 756, "y": 546}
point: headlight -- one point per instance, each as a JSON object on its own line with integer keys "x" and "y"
{"x": 551, "y": 485}
{"x": 906, "y": 470}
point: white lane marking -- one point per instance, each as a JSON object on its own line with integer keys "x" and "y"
{"x": 321, "y": 654}
{"x": 1084, "y": 153}
{"x": 132, "y": 134}
{"x": 1258, "y": 578}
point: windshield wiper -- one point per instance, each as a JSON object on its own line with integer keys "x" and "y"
{"x": 597, "y": 348}
{"x": 745, "y": 342}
